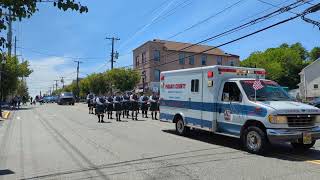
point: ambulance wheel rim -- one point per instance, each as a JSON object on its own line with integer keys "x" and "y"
{"x": 180, "y": 126}
{"x": 253, "y": 141}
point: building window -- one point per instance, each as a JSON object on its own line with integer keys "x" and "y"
{"x": 204, "y": 60}
{"x": 137, "y": 61}
{"x": 156, "y": 75}
{"x": 144, "y": 59}
{"x": 315, "y": 86}
{"x": 181, "y": 58}
{"x": 231, "y": 63}
{"x": 219, "y": 60}
{"x": 195, "y": 85}
{"x": 156, "y": 55}
{"x": 191, "y": 60}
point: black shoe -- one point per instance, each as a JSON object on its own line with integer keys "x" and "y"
{"x": 102, "y": 121}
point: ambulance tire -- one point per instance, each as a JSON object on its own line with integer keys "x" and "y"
{"x": 181, "y": 129}
{"x": 302, "y": 147}
{"x": 255, "y": 140}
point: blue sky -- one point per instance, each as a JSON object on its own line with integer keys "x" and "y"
{"x": 51, "y": 39}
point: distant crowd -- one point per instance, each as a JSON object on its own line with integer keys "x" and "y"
{"x": 121, "y": 104}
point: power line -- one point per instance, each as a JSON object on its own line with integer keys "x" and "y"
{"x": 207, "y": 19}
{"x": 159, "y": 18}
{"x": 237, "y": 39}
{"x": 55, "y": 55}
{"x": 232, "y": 30}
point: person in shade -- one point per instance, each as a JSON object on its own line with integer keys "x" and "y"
{"x": 117, "y": 101}
{"x": 144, "y": 105}
{"x": 125, "y": 105}
{"x": 134, "y": 106}
{"x": 110, "y": 106}
{"x": 90, "y": 102}
{"x": 100, "y": 105}
{"x": 154, "y": 105}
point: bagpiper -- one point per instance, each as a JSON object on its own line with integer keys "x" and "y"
{"x": 100, "y": 105}
{"x": 110, "y": 106}
{"x": 117, "y": 100}
{"x": 134, "y": 106}
{"x": 90, "y": 102}
{"x": 154, "y": 105}
{"x": 125, "y": 105}
{"x": 144, "y": 105}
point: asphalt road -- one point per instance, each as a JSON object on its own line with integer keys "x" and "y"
{"x": 65, "y": 142}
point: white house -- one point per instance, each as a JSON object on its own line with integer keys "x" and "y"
{"x": 310, "y": 81}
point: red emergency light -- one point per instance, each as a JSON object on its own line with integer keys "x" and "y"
{"x": 227, "y": 70}
{"x": 210, "y": 74}
{"x": 260, "y": 72}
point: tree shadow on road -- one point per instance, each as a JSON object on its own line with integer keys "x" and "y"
{"x": 278, "y": 151}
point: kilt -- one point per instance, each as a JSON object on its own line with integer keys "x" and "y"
{"x": 134, "y": 106}
{"x": 100, "y": 109}
{"x": 117, "y": 107}
{"x": 90, "y": 104}
{"x": 144, "y": 106}
{"x": 109, "y": 107}
{"x": 154, "y": 106}
{"x": 125, "y": 105}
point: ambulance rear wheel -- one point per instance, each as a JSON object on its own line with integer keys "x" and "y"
{"x": 255, "y": 140}
{"x": 181, "y": 129}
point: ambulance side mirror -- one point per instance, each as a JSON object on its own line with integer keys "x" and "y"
{"x": 225, "y": 97}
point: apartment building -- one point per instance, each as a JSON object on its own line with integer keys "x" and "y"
{"x": 156, "y": 56}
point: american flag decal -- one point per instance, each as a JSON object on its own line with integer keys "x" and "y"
{"x": 257, "y": 85}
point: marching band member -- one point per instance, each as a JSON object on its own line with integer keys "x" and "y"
{"x": 134, "y": 106}
{"x": 125, "y": 105}
{"x": 154, "y": 105}
{"x": 100, "y": 108}
{"x": 90, "y": 101}
{"x": 110, "y": 106}
{"x": 117, "y": 105}
{"x": 144, "y": 105}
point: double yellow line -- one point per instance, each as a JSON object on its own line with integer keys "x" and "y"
{"x": 314, "y": 162}
{"x": 5, "y": 114}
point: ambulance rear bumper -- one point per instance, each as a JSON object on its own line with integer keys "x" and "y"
{"x": 291, "y": 135}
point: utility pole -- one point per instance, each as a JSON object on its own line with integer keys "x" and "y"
{"x": 56, "y": 84}
{"x": 62, "y": 81}
{"x": 78, "y": 90}
{"x": 114, "y": 55}
{"x": 53, "y": 88}
{"x": 15, "y": 46}
{"x": 9, "y": 35}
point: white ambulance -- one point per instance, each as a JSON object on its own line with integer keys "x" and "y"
{"x": 237, "y": 102}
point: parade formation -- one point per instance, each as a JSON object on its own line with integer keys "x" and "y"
{"x": 121, "y": 104}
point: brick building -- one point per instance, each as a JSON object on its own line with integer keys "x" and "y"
{"x": 155, "y": 56}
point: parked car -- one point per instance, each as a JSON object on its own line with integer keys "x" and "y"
{"x": 66, "y": 98}
{"x": 315, "y": 102}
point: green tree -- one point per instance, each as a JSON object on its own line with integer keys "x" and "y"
{"x": 123, "y": 79}
{"x": 315, "y": 53}
{"x": 21, "y": 9}
{"x": 12, "y": 70}
{"x": 283, "y": 64}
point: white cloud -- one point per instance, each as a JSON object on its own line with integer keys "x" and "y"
{"x": 46, "y": 70}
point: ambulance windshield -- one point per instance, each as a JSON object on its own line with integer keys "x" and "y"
{"x": 265, "y": 90}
